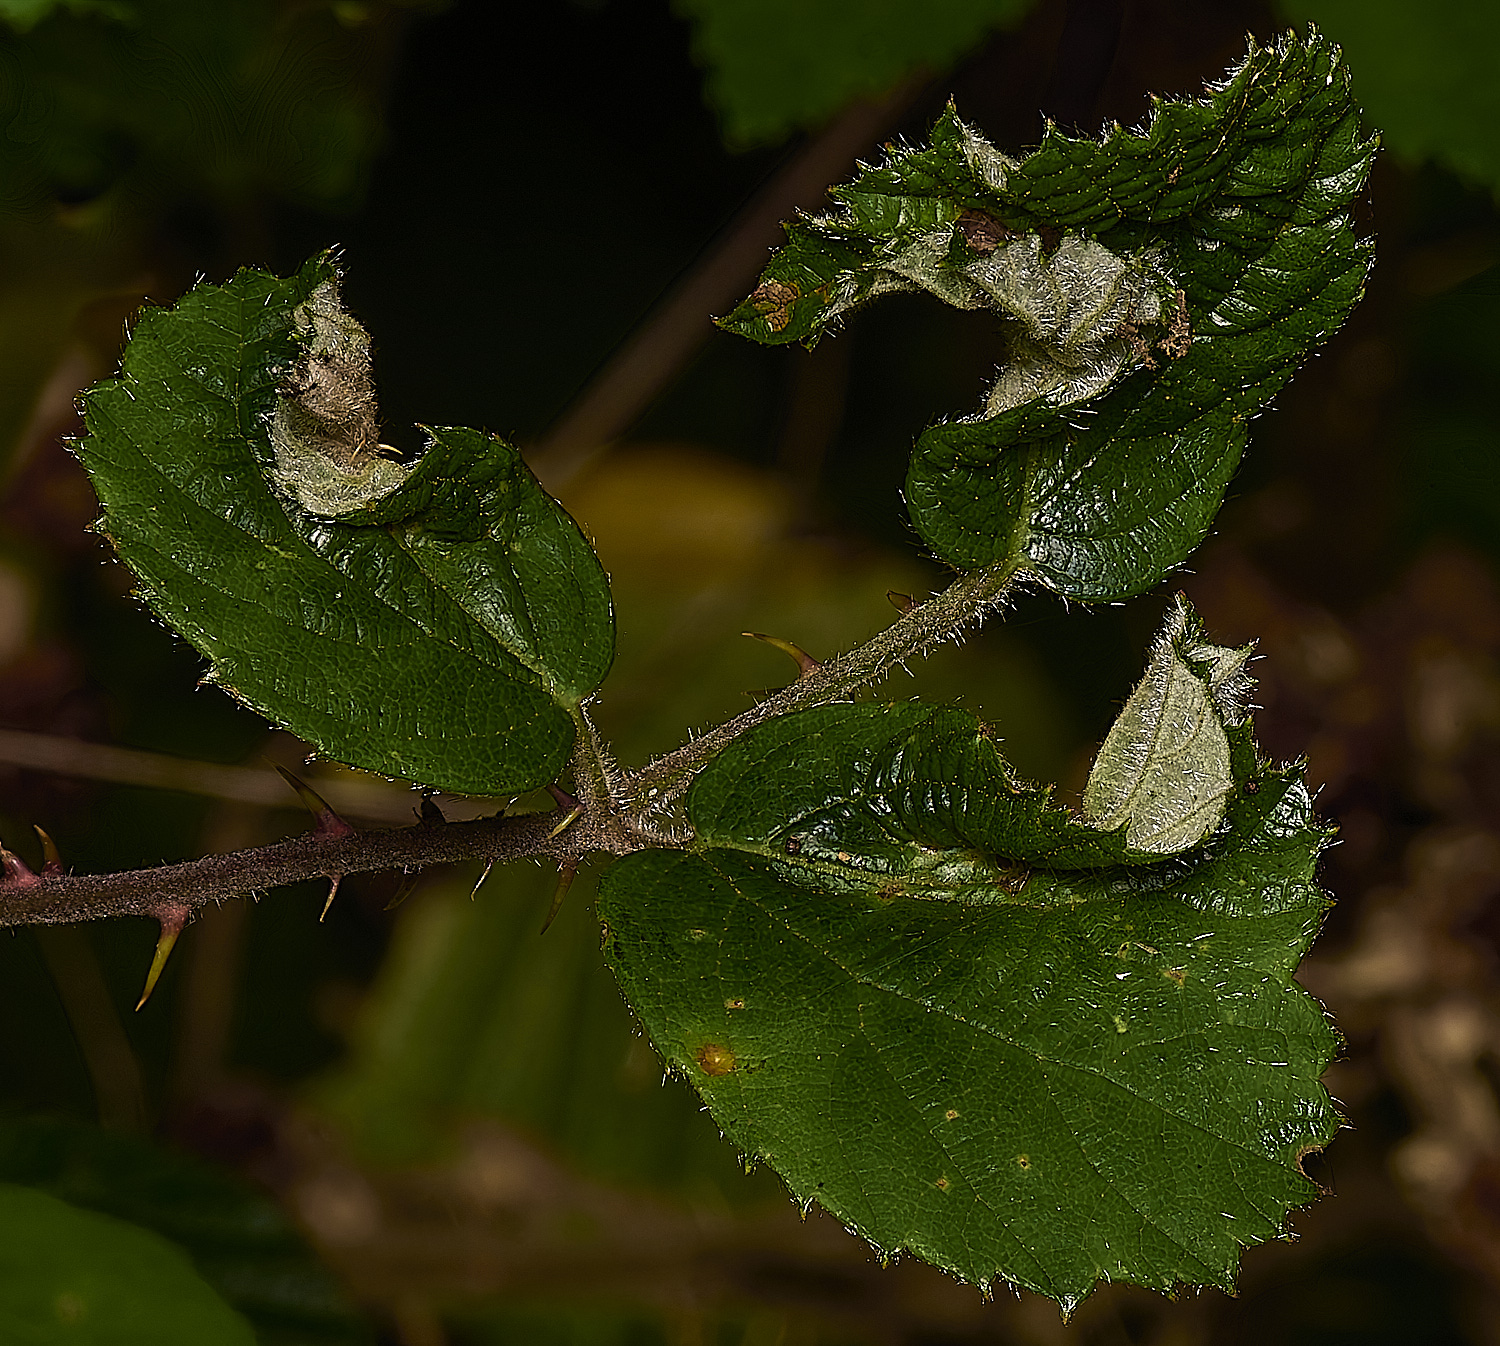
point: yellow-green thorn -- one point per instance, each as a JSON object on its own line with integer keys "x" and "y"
{"x": 805, "y": 662}
{"x": 474, "y": 892}
{"x": 574, "y": 815}
{"x": 52, "y": 861}
{"x": 565, "y": 874}
{"x": 172, "y": 919}
{"x": 333, "y": 888}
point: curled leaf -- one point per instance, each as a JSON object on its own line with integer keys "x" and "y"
{"x": 1163, "y": 772}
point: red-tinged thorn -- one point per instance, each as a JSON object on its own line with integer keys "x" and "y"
{"x": 430, "y": 812}
{"x": 330, "y": 825}
{"x": 903, "y": 603}
{"x": 475, "y": 892}
{"x": 16, "y": 872}
{"x": 562, "y": 797}
{"x": 333, "y": 888}
{"x": 565, "y": 873}
{"x": 805, "y": 662}
{"x": 172, "y": 917}
{"x": 52, "y": 866}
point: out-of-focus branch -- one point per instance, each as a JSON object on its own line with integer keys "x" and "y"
{"x": 656, "y": 352}
{"x": 119, "y": 1093}
{"x": 368, "y": 799}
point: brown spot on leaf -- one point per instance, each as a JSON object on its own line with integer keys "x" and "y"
{"x": 734, "y": 1002}
{"x": 773, "y": 300}
{"x": 1023, "y": 1161}
{"x": 942, "y": 1184}
{"x": 1176, "y": 975}
{"x": 950, "y": 1114}
{"x": 714, "y": 1058}
{"x": 983, "y": 233}
{"x": 1179, "y": 336}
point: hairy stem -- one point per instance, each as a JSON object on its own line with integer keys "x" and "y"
{"x": 54, "y": 899}
{"x": 612, "y": 815}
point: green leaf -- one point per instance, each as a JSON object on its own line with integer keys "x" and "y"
{"x": 1155, "y": 288}
{"x": 974, "y": 1028}
{"x": 1425, "y": 76}
{"x": 440, "y": 622}
{"x": 68, "y": 1275}
{"x": 238, "y": 1239}
{"x": 777, "y": 65}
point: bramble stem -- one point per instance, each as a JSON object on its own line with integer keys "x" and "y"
{"x": 62, "y": 898}
{"x": 613, "y": 814}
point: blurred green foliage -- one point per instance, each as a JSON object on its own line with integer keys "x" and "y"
{"x": 1424, "y": 75}
{"x": 239, "y": 1240}
{"x": 777, "y": 66}
{"x": 70, "y": 1275}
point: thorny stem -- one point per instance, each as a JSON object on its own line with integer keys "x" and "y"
{"x": 614, "y": 807}
{"x": 62, "y": 898}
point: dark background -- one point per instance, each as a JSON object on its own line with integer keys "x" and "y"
{"x": 453, "y": 1113}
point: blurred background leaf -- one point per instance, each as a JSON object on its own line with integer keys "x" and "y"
{"x": 71, "y": 1275}
{"x": 776, "y": 66}
{"x": 1425, "y": 77}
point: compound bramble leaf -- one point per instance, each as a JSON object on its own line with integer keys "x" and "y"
{"x": 975, "y": 1028}
{"x": 1156, "y": 289}
{"x": 440, "y": 621}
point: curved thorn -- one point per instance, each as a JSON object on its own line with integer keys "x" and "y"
{"x": 333, "y": 887}
{"x": 474, "y": 892}
{"x": 431, "y": 814}
{"x": 329, "y": 823}
{"x": 805, "y": 662}
{"x": 565, "y": 874}
{"x": 562, "y": 798}
{"x": 172, "y": 919}
{"x": 52, "y": 865}
{"x": 903, "y": 603}
{"x": 573, "y": 816}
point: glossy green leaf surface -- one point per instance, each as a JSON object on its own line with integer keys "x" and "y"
{"x": 975, "y": 1029}
{"x": 68, "y": 1275}
{"x": 444, "y": 629}
{"x": 1155, "y": 290}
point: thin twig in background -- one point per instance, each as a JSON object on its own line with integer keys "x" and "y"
{"x": 119, "y": 1093}
{"x": 641, "y": 369}
{"x": 369, "y": 799}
